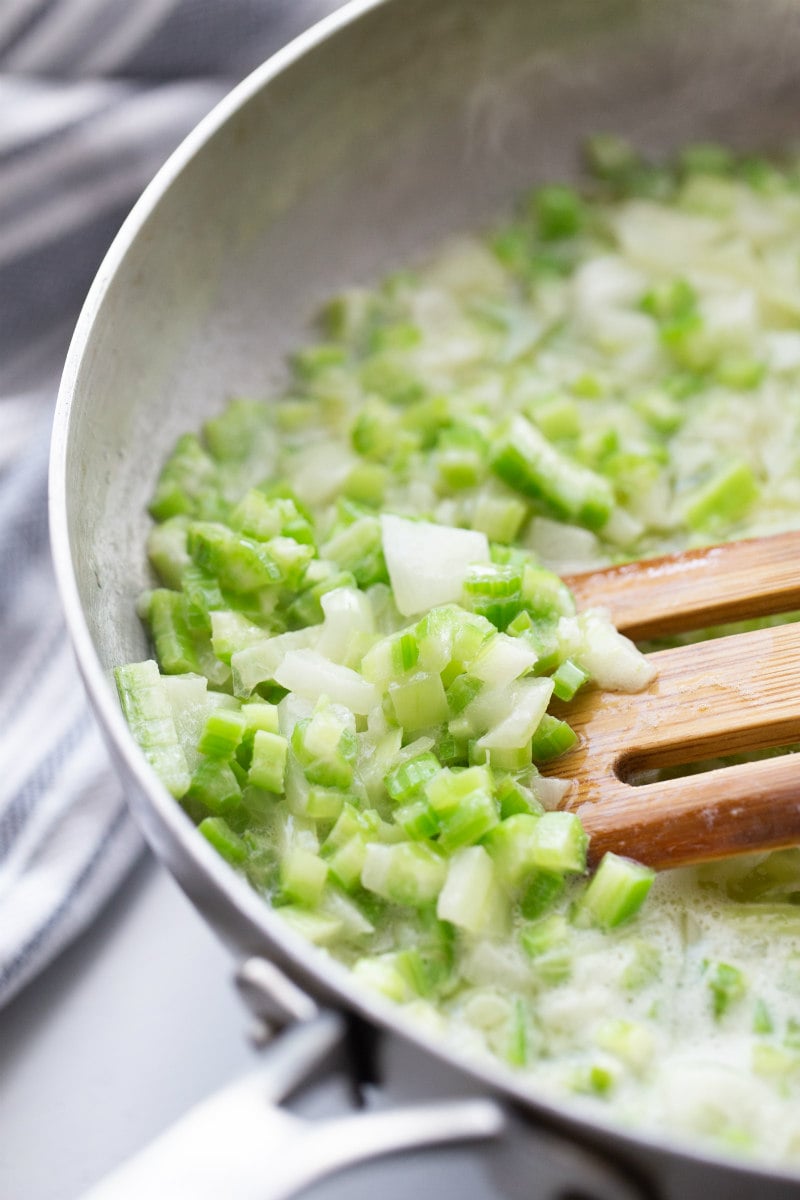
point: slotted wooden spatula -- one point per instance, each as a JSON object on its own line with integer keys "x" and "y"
{"x": 709, "y": 699}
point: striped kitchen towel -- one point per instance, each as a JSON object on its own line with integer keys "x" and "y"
{"x": 94, "y": 94}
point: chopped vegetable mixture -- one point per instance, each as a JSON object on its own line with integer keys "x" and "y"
{"x": 360, "y": 631}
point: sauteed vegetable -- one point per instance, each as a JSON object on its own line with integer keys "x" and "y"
{"x": 359, "y": 630}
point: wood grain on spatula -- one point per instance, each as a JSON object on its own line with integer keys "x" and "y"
{"x": 711, "y": 699}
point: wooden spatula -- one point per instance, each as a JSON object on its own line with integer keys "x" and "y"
{"x": 710, "y": 699}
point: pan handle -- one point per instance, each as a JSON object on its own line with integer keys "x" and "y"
{"x": 240, "y": 1144}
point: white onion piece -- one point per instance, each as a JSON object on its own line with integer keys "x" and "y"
{"x": 427, "y": 563}
{"x": 309, "y": 674}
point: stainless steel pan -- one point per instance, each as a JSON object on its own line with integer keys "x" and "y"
{"x": 354, "y": 150}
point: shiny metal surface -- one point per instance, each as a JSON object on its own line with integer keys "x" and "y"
{"x": 354, "y": 150}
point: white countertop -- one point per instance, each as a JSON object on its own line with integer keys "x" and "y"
{"x": 129, "y": 1028}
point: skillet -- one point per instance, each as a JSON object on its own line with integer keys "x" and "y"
{"x": 354, "y": 150}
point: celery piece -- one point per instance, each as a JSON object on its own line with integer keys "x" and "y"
{"x": 259, "y": 715}
{"x": 408, "y": 779}
{"x": 405, "y": 652}
{"x": 218, "y": 832}
{"x": 358, "y": 549}
{"x": 239, "y": 563}
{"x": 167, "y": 552}
{"x": 593, "y": 1080}
{"x": 232, "y": 632}
{"x": 302, "y": 876}
{"x": 499, "y": 517}
{"x": 469, "y": 821}
{"x": 511, "y": 845}
{"x": 518, "y": 1052}
{"x": 420, "y": 702}
{"x": 324, "y": 803}
{"x": 366, "y": 483}
{"x": 461, "y": 692}
{"x": 175, "y": 646}
{"x": 317, "y": 927}
{"x": 542, "y": 890}
{"x": 548, "y": 943}
{"x": 306, "y": 608}
{"x": 616, "y": 892}
{"x": 724, "y": 498}
{"x": 644, "y": 966}
{"x": 558, "y": 418}
{"x": 215, "y": 786}
{"x": 567, "y": 679}
{"x": 405, "y": 873}
{"x": 559, "y": 843}
{"x": 558, "y": 210}
{"x": 740, "y": 372}
{"x": 346, "y": 861}
{"x": 727, "y": 986}
{"x": 506, "y": 758}
{"x": 552, "y": 738}
{"x": 149, "y": 715}
{"x": 513, "y": 798}
{"x": 188, "y": 484}
{"x": 325, "y": 748}
{"x": 494, "y": 592}
{"x": 201, "y": 594}
{"x": 417, "y": 820}
{"x": 446, "y": 790}
{"x": 268, "y": 763}
{"x": 762, "y": 1020}
{"x": 265, "y": 517}
{"x": 527, "y": 462}
{"x": 545, "y": 595}
{"x": 460, "y": 457}
{"x": 628, "y": 1041}
{"x": 232, "y": 436}
{"x": 222, "y": 733}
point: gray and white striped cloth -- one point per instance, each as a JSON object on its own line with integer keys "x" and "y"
{"x": 94, "y": 94}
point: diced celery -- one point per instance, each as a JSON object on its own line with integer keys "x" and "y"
{"x": 513, "y": 797}
{"x": 494, "y": 592}
{"x": 558, "y": 210}
{"x": 215, "y": 786}
{"x": 616, "y": 892}
{"x": 326, "y": 749}
{"x": 552, "y": 738}
{"x": 166, "y": 549}
{"x": 407, "y": 780}
{"x": 223, "y": 731}
{"x": 346, "y": 861}
{"x": 420, "y": 702}
{"x": 231, "y": 632}
{"x": 724, "y": 499}
{"x": 567, "y": 679}
{"x": 542, "y": 890}
{"x": 303, "y": 876}
{"x": 499, "y": 517}
{"x": 447, "y": 789}
{"x": 149, "y": 715}
{"x": 527, "y": 462}
{"x": 727, "y": 986}
{"x": 470, "y": 821}
{"x": 268, "y": 764}
{"x": 511, "y": 845}
{"x": 317, "y": 927}
{"x": 175, "y": 645}
{"x": 417, "y": 819}
{"x": 559, "y": 843}
{"x": 239, "y": 563}
{"x": 405, "y": 873}
{"x": 218, "y": 832}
